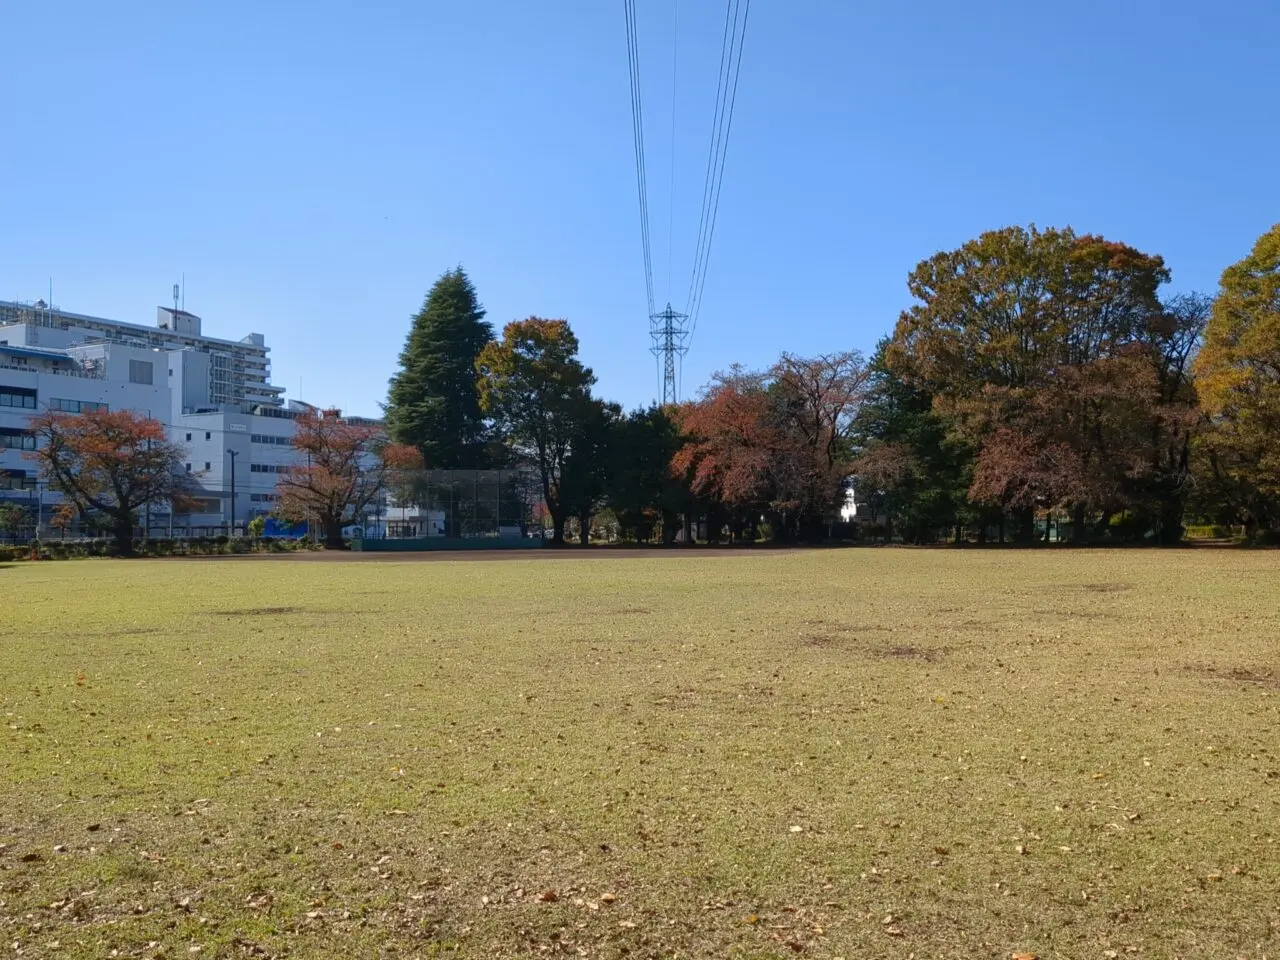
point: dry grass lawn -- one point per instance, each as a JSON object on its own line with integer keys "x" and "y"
{"x": 865, "y": 753}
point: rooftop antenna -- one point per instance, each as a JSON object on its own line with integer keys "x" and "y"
{"x": 184, "y": 291}
{"x": 175, "y": 298}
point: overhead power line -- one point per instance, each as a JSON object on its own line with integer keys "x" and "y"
{"x": 671, "y": 183}
{"x": 637, "y": 124}
{"x": 671, "y": 330}
{"x": 735, "y": 29}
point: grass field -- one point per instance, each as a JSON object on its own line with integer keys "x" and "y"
{"x": 865, "y": 753}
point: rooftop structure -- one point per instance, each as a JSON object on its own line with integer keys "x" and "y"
{"x": 238, "y": 374}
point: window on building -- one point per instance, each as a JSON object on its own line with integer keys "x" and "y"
{"x": 188, "y": 468}
{"x": 75, "y": 406}
{"x": 188, "y": 438}
{"x": 17, "y": 397}
{"x": 11, "y": 439}
{"x": 141, "y": 371}
{"x": 208, "y": 434}
{"x": 208, "y": 466}
{"x": 16, "y": 480}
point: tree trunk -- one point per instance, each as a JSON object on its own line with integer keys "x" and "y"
{"x": 714, "y": 522}
{"x": 1171, "y": 528}
{"x": 1079, "y": 534}
{"x": 584, "y": 528}
{"x": 669, "y": 524}
{"x": 333, "y": 535}
{"x": 123, "y": 532}
{"x": 1025, "y": 531}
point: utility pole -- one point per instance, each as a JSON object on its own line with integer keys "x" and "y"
{"x": 234, "y": 453}
{"x": 146, "y": 523}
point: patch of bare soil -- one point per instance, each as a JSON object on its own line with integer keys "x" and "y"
{"x": 260, "y": 612}
{"x": 1266, "y": 678}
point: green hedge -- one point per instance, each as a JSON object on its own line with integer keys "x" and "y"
{"x": 196, "y": 546}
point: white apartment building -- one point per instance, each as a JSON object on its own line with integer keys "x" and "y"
{"x": 215, "y": 397}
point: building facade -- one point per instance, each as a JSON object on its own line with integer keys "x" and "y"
{"x": 214, "y": 396}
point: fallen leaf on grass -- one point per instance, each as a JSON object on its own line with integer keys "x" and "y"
{"x": 608, "y": 897}
{"x": 626, "y": 925}
{"x": 893, "y": 931}
{"x": 548, "y": 896}
{"x": 1025, "y": 956}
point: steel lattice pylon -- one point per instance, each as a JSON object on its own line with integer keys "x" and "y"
{"x": 669, "y": 331}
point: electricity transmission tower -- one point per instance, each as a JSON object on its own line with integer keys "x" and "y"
{"x": 670, "y": 331}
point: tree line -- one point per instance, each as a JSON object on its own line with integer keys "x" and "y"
{"x": 1038, "y": 376}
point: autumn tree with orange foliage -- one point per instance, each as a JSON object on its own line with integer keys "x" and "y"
{"x": 348, "y": 465}
{"x": 1052, "y": 355}
{"x": 775, "y": 443}
{"x": 64, "y": 518}
{"x": 111, "y": 463}
{"x": 1239, "y": 385}
{"x": 538, "y": 394}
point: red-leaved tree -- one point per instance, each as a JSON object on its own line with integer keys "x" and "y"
{"x": 110, "y": 463}
{"x": 347, "y": 466}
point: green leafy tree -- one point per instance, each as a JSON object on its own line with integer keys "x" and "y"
{"x": 13, "y": 518}
{"x": 908, "y": 471}
{"x": 539, "y": 396}
{"x": 1036, "y": 348}
{"x": 584, "y": 484}
{"x": 433, "y": 404}
{"x": 642, "y": 489}
{"x": 1238, "y": 378}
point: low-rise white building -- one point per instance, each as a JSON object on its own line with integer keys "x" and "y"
{"x": 214, "y": 396}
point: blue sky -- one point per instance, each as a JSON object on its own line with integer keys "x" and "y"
{"x": 313, "y": 167}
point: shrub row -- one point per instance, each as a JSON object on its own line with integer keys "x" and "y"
{"x": 195, "y": 546}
